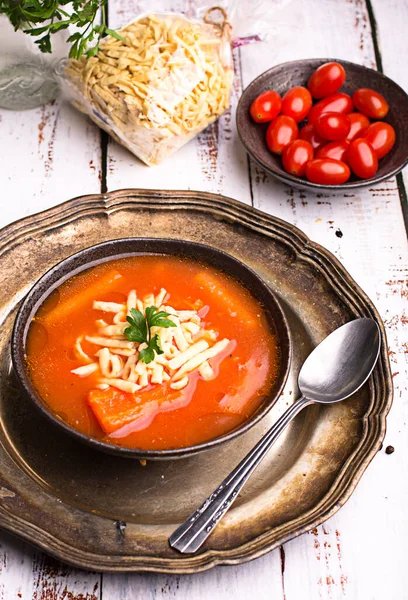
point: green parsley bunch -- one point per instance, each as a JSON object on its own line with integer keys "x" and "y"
{"x": 45, "y": 17}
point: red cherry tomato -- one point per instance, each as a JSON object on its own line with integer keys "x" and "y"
{"x": 332, "y": 126}
{"x": 266, "y": 106}
{"x": 296, "y": 103}
{"x": 326, "y": 80}
{"x": 359, "y": 125}
{"x": 281, "y": 132}
{"x": 327, "y": 171}
{"x": 381, "y": 137}
{"x": 336, "y": 150}
{"x": 340, "y": 103}
{"x": 296, "y": 156}
{"x": 309, "y": 134}
{"x": 370, "y": 103}
{"x": 362, "y": 159}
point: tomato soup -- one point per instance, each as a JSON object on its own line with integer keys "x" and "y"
{"x": 152, "y": 352}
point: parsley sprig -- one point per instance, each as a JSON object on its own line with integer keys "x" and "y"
{"x": 140, "y": 330}
{"x": 45, "y": 17}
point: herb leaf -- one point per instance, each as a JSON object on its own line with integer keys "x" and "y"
{"x": 147, "y": 355}
{"x": 155, "y": 344}
{"x": 139, "y": 330}
{"x": 114, "y": 34}
{"x": 160, "y": 320}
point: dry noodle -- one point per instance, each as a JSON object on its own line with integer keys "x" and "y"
{"x": 154, "y": 91}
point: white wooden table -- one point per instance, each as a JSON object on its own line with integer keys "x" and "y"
{"x": 52, "y": 154}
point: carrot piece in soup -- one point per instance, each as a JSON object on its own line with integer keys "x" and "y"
{"x": 232, "y": 302}
{"x": 113, "y": 408}
{"x": 85, "y": 295}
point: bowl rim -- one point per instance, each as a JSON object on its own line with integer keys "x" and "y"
{"x": 30, "y": 305}
{"x": 304, "y": 183}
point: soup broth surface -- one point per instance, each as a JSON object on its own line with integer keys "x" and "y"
{"x": 157, "y": 416}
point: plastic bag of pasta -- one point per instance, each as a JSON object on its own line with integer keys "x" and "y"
{"x": 167, "y": 79}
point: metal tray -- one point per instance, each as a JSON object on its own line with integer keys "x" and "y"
{"x": 107, "y": 513}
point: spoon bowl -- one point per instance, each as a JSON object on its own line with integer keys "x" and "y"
{"x": 341, "y": 363}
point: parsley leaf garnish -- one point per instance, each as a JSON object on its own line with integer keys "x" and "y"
{"x": 147, "y": 355}
{"x": 139, "y": 330}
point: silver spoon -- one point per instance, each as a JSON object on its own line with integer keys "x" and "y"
{"x": 336, "y": 368}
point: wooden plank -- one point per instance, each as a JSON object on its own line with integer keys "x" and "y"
{"x": 391, "y": 49}
{"x": 214, "y": 161}
{"x": 365, "y": 230}
{"x": 47, "y": 156}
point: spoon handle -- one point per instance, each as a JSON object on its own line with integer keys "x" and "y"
{"x": 197, "y": 527}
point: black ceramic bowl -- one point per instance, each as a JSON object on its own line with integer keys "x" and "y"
{"x": 142, "y": 246}
{"x": 282, "y": 77}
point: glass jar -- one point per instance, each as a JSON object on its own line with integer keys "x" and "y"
{"x": 27, "y": 74}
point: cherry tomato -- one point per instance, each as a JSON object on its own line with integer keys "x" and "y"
{"x": 359, "y": 125}
{"x": 296, "y": 156}
{"x": 327, "y": 171}
{"x": 266, "y": 106}
{"x": 370, "y": 103}
{"x": 336, "y": 150}
{"x": 309, "y": 134}
{"x": 296, "y": 103}
{"x": 332, "y": 126}
{"x": 326, "y": 80}
{"x": 362, "y": 159}
{"x": 381, "y": 137}
{"x": 340, "y": 103}
{"x": 281, "y": 132}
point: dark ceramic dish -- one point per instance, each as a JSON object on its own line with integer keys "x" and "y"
{"x": 142, "y": 246}
{"x": 298, "y": 72}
